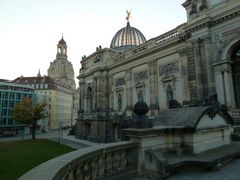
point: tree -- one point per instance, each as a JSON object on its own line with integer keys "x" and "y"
{"x": 28, "y": 113}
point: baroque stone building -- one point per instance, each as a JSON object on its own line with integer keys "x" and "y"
{"x": 187, "y": 64}
{"x": 61, "y": 69}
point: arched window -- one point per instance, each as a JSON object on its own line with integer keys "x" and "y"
{"x": 59, "y": 50}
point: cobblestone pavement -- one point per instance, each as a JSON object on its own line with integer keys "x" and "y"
{"x": 229, "y": 171}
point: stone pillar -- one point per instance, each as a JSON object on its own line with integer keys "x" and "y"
{"x": 224, "y": 84}
{"x": 233, "y": 102}
{"x": 219, "y": 84}
{"x": 81, "y": 98}
{"x": 228, "y": 85}
{"x": 101, "y": 99}
{"x": 111, "y": 96}
{"x": 154, "y": 106}
{"x": 184, "y": 74}
{"x": 209, "y": 65}
{"x": 198, "y": 68}
{"x": 191, "y": 73}
{"x": 129, "y": 89}
{"x": 95, "y": 94}
{"x": 227, "y": 88}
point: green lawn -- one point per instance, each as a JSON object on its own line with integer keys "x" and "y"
{"x": 18, "y": 157}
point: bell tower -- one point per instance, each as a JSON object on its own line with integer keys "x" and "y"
{"x": 61, "y": 69}
{"x": 62, "y": 48}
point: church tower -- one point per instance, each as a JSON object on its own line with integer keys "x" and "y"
{"x": 62, "y": 49}
{"x": 61, "y": 69}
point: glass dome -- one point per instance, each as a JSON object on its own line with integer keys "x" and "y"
{"x": 127, "y": 37}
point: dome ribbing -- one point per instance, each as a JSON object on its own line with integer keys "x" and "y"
{"x": 127, "y": 37}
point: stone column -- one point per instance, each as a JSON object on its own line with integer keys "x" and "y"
{"x": 95, "y": 94}
{"x": 191, "y": 73}
{"x": 228, "y": 85}
{"x": 224, "y": 84}
{"x": 81, "y": 98}
{"x": 154, "y": 106}
{"x": 184, "y": 74}
{"x": 111, "y": 96}
{"x": 233, "y": 103}
{"x": 219, "y": 84}
{"x": 209, "y": 65}
{"x": 129, "y": 89}
{"x": 198, "y": 68}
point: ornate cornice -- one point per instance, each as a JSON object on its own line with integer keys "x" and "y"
{"x": 210, "y": 22}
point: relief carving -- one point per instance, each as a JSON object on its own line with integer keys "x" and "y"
{"x": 193, "y": 8}
{"x": 119, "y": 82}
{"x": 140, "y": 93}
{"x": 140, "y": 76}
{"x": 168, "y": 69}
{"x": 203, "y": 5}
{"x": 119, "y": 98}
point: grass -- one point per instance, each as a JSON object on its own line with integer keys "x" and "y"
{"x": 18, "y": 157}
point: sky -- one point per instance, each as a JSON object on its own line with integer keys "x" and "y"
{"x": 31, "y": 29}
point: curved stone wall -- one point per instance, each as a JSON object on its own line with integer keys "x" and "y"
{"x": 106, "y": 161}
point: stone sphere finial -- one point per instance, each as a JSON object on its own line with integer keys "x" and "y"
{"x": 140, "y": 108}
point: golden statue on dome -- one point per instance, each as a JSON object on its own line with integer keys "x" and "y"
{"x": 128, "y": 15}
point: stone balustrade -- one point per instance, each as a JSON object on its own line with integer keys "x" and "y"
{"x": 167, "y": 36}
{"x": 105, "y": 161}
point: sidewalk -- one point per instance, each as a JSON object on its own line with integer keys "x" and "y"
{"x": 57, "y": 136}
{"x": 82, "y": 141}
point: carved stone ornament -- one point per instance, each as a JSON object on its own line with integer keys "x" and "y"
{"x": 203, "y": 5}
{"x": 193, "y": 8}
{"x": 140, "y": 76}
{"x": 167, "y": 69}
{"x": 89, "y": 83}
{"x": 119, "y": 82}
{"x": 140, "y": 93}
{"x": 119, "y": 100}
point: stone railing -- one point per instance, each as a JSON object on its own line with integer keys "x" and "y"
{"x": 167, "y": 36}
{"x": 105, "y": 161}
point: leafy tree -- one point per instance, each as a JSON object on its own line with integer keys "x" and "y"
{"x": 28, "y": 113}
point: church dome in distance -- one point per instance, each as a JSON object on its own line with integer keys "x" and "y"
{"x": 127, "y": 37}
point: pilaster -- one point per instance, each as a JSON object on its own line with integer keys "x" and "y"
{"x": 192, "y": 74}
{"x": 154, "y": 106}
{"x": 198, "y": 68}
{"x": 129, "y": 84}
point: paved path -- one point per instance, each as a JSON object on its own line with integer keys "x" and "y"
{"x": 61, "y": 137}
{"x": 230, "y": 171}
{"x": 75, "y": 145}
